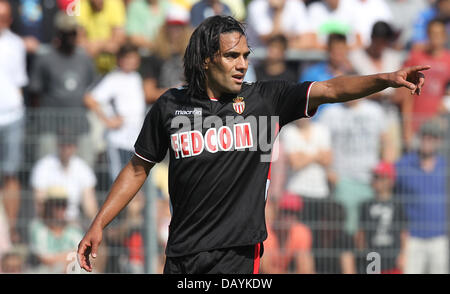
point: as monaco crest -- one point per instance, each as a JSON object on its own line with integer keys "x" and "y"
{"x": 239, "y": 104}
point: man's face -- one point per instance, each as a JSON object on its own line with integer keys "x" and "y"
{"x": 225, "y": 73}
{"x": 130, "y": 62}
{"x": 437, "y": 35}
{"x": 429, "y": 145}
{"x": 97, "y": 5}
{"x": 5, "y": 16}
{"x": 276, "y": 52}
{"x": 337, "y": 53}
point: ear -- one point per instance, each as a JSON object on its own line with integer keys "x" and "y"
{"x": 206, "y": 63}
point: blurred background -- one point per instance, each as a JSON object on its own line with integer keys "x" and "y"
{"x": 78, "y": 77}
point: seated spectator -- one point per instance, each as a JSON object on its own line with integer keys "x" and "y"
{"x": 13, "y": 78}
{"x": 359, "y": 140}
{"x": 336, "y": 64}
{"x": 417, "y": 109}
{"x": 164, "y": 69}
{"x": 267, "y": 18}
{"x": 332, "y": 247}
{"x": 274, "y": 66}
{"x": 206, "y": 8}
{"x": 67, "y": 170}
{"x": 102, "y": 30}
{"x": 382, "y": 226}
{"x": 380, "y": 57}
{"x": 52, "y": 238}
{"x": 118, "y": 100}
{"x": 33, "y": 21}
{"x": 440, "y": 9}
{"x": 338, "y": 17}
{"x": 422, "y": 185}
{"x": 308, "y": 148}
{"x": 144, "y": 20}
{"x": 289, "y": 241}
{"x": 59, "y": 79}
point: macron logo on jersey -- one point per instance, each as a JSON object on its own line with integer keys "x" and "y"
{"x": 196, "y": 111}
{"x": 193, "y": 143}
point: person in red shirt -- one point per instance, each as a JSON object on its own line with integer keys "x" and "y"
{"x": 417, "y": 110}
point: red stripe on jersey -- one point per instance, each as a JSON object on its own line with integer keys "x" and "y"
{"x": 257, "y": 259}
{"x": 213, "y": 99}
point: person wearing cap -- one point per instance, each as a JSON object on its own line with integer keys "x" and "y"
{"x": 382, "y": 223}
{"x": 58, "y": 80}
{"x": 289, "y": 241}
{"x": 422, "y": 187}
{"x": 53, "y": 238}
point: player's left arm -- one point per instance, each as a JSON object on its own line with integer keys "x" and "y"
{"x": 346, "y": 88}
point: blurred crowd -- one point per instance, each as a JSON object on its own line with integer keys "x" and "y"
{"x": 78, "y": 77}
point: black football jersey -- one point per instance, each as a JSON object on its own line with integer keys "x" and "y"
{"x": 220, "y": 152}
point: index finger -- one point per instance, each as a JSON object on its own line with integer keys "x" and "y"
{"x": 420, "y": 67}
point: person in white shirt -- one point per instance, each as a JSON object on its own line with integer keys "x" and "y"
{"x": 12, "y": 78}
{"x": 335, "y": 16}
{"x": 67, "y": 170}
{"x": 267, "y": 18}
{"x": 308, "y": 148}
{"x": 119, "y": 101}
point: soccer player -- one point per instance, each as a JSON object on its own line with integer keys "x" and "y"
{"x": 220, "y": 130}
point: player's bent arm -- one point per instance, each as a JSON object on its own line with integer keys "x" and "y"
{"x": 347, "y": 88}
{"x": 124, "y": 188}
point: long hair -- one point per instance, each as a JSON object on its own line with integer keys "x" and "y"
{"x": 205, "y": 43}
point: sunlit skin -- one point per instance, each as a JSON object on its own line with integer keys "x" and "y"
{"x": 225, "y": 73}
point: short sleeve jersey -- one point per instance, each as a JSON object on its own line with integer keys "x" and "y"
{"x": 219, "y": 160}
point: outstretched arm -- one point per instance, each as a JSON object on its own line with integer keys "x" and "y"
{"x": 346, "y": 88}
{"x": 125, "y": 187}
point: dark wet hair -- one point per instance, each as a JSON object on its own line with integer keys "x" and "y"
{"x": 205, "y": 43}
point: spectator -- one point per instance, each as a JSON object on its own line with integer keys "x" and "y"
{"x": 333, "y": 247}
{"x": 289, "y": 241}
{"x": 33, "y": 21}
{"x": 308, "y": 148}
{"x": 337, "y": 64}
{"x": 12, "y": 78}
{"x": 275, "y": 66}
{"x": 382, "y": 226}
{"x": 206, "y": 8}
{"x": 417, "y": 109}
{"x": 440, "y": 9}
{"x": 379, "y": 57}
{"x": 144, "y": 20}
{"x": 336, "y": 16}
{"x": 358, "y": 132}
{"x": 102, "y": 30}
{"x": 59, "y": 80}
{"x": 422, "y": 184}
{"x": 164, "y": 69}
{"x": 67, "y": 170}
{"x": 267, "y": 18}
{"x": 53, "y": 238}
{"x": 118, "y": 100}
